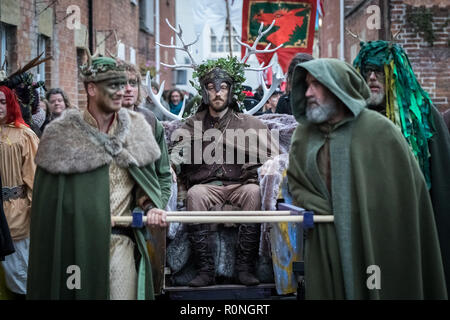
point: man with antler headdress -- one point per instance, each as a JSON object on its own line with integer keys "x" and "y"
{"x": 396, "y": 94}
{"x": 94, "y": 164}
{"x": 222, "y": 174}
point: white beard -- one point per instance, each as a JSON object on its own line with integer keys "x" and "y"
{"x": 321, "y": 113}
{"x": 376, "y": 99}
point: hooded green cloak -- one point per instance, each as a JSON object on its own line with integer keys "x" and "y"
{"x": 71, "y": 218}
{"x": 383, "y": 215}
{"x": 421, "y": 124}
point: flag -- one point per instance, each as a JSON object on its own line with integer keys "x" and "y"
{"x": 294, "y": 27}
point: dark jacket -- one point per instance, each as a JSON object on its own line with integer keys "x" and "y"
{"x": 6, "y": 244}
{"x": 197, "y": 171}
{"x": 284, "y": 104}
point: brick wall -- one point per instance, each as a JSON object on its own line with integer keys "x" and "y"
{"x": 25, "y": 36}
{"x": 147, "y": 45}
{"x": 430, "y": 63}
{"x": 64, "y": 69}
{"x": 356, "y": 22}
{"x": 65, "y": 45}
{"x": 167, "y": 8}
{"x": 329, "y": 33}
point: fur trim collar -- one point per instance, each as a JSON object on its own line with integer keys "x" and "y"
{"x": 70, "y": 145}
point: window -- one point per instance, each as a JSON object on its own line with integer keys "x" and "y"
{"x": 147, "y": 15}
{"x": 121, "y": 51}
{"x": 3, "y": 50}
{"x": 180, "y": 76}
{"x": 7, "y": 43}
{"x": 41, "y": 43}
{"x": 224, "y": 45}
{"x": 132, "y": 55}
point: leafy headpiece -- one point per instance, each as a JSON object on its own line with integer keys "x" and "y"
{"x": 229, "y": 70}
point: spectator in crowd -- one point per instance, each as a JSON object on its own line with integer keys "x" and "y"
{"x": 175, "y": 101}
{"x": 18, "y": 147}
{"x": 58, "y": 101}
{"x": 271, "y": 103}
{"x": 284, "y": 102}
{"x": 43, "y": 104}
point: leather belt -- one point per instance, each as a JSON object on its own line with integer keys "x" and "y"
{"x": 123, "y": 231}
{"x": 14, "y": 193}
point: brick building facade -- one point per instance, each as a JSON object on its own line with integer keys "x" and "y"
{"x": 124, "y": 28}
{"x": 400, "y": 18}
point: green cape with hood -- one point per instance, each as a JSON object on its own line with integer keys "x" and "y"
{"x": 421, "y": 124}
{"x": 71, "y": 218}
{"x": 383, "y": 243}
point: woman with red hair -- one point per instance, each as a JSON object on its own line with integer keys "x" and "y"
{"x": 18, "y": 146}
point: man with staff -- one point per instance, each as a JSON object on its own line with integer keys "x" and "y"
{"x": 93, "y": 164}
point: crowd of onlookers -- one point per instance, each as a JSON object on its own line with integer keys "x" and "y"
{"x": 56, "y": 100}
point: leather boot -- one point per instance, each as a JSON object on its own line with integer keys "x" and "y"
{"x": 202, "y": 243}
{"x": 247, "y": 253}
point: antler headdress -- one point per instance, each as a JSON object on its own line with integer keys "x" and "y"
{"x": 232, "y": 68}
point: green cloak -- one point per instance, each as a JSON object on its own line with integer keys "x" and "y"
{"x": 440, "y": 186}
{"x": 162, "y": 165}
{"x": 383, "y": 215}
{"x": 71, "y": 219}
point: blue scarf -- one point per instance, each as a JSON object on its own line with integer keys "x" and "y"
{"x": 175, "y": 109}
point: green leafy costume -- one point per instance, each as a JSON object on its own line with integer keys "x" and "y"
{"x": 411, "y": 109}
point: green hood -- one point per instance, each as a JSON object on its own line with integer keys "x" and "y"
{"x": 338, "y": 76}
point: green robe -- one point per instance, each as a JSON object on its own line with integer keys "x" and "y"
{"x": 162, "y": 165}
{"x": 382, "y": 209}
{"x": 71, "y": 218}
{"x": 440, "y": 186}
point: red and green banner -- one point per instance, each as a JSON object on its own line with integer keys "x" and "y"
{"x": 294, "y": 27}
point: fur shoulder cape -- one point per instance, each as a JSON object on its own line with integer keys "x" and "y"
{"x": 70, "y": 145}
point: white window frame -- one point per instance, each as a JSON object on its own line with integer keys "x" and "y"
{"x": 224, "y": 44}
{"x": 147, "y": 15}
{"x": 2, "y": 45}
{"x": 41, "y": 47}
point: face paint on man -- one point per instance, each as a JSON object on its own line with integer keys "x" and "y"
{"x": 218, "y": 97}
{"x": 110, "y": 94}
